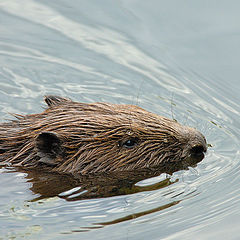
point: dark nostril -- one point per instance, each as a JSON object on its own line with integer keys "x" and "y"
{"x": 198, "y": 150}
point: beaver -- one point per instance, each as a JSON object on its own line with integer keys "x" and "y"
{"x": 85, "y": 138}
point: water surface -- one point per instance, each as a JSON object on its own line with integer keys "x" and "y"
{"x": 177, "y": 59}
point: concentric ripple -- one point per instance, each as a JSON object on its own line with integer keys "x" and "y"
{"x": 115, "y": 52}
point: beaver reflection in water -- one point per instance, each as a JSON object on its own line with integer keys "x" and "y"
{"x": 83, "y": 138}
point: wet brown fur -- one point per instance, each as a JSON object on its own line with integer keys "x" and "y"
{"x": 91, "y": 138}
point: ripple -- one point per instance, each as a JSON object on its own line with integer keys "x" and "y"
{"x": 104, "y": 64}
{"x": 100, "y": 40}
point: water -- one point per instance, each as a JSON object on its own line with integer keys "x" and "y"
{"x": 176, "y": 59}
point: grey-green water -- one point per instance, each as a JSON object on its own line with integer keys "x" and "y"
{"x": 175, "y": 58}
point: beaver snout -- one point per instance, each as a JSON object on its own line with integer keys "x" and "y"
{"x": 198, "y": 150}
{"x": 196, "y": 146}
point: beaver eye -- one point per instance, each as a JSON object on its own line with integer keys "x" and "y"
{"x": 130, "y": 143}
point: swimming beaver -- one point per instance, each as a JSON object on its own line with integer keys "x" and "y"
{"x": 83, "y": 138}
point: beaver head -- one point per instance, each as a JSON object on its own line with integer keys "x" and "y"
{"x": 98, "y": 137}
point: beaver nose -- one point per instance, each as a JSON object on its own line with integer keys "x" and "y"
{"x": 198, "y": 144}
{"x": 198, "y": 150}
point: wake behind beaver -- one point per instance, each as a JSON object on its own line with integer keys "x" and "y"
{"x": 84, "y": 138}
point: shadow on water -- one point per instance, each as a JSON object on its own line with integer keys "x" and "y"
{"x": 128, "y": 217}
{"x": 79, "y": 187}
{"x": 139, "y": 214}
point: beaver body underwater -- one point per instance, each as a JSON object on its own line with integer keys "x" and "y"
{"x": 83, "y": 138}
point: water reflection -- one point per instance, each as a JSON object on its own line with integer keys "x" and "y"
{"x": 73, "y": 188}
{"x": 139, "y": 214}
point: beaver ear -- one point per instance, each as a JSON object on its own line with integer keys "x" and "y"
{"x": 48, "y": 147}
{"x": 55, "y": 100}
